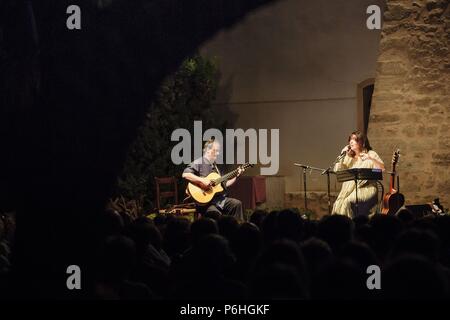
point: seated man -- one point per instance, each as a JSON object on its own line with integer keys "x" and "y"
{"x": 196, "y": 172}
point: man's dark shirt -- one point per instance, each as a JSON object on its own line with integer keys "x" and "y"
{"x": 202, "y": 167}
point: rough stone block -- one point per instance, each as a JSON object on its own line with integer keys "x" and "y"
{"x": 436, "y": 110}
{"x": 426, "y": 28}
{"x": 445, "y": 129}
{"x": 397, "y": 12}
{"x": 409, "y": 131}
{"x": 437, "y": 119}
{"x": 427, "y": 131}
{"x": 386, "y": 117}
{"x": 394, "y": 42}
{"x": 425, "y": 144}
{"x": 432, "y": 88}
{"x": 413, "y": 117}
{"x": 433, "y": 4}
{"x": 383, "y": 97}
{"x": 422, "y": 102}
{"x": 445, "y": 142}
{"x": 392, "y": 68}
{"x": 441, "y": 158}
{"x": 444, "y": 188}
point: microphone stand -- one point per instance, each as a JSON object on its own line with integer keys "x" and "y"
{"x": 305, "y": 167}
{"x": 327, "y": 171}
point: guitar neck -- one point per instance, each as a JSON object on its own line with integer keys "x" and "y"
{"x": 392, "y": 182}
{"x": 392, "y": 179}
{"x": 227, "y": 176}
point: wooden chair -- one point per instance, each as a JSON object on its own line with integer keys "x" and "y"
{"x": 173, "y": 193}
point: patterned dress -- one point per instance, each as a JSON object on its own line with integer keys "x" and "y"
{"x": 367, "y": 190}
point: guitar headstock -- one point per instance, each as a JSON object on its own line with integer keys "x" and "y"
{"x": 395, "y": 158}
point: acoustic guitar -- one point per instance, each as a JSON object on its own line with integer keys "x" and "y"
{"x": 203, "y": 196}
{"x": 393, "y": 200}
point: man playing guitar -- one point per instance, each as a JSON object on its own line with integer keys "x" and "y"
{"x": 196, "y": 172}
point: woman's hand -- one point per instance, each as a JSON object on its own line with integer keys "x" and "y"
{"x": 377, "y": 164}
{"x": 365, "y": 156}
{"x": 346, "y": 149}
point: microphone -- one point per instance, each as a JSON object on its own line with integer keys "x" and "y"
{"x": 343, "y": 153}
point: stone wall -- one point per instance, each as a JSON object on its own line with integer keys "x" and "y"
{"x": 411, "y": 103}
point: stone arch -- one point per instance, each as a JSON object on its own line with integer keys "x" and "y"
{"x": 364, "y": 94}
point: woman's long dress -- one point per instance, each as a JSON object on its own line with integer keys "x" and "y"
{"x": 367, "y": 190}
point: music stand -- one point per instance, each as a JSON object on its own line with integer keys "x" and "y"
{"x": 356, "y": 174}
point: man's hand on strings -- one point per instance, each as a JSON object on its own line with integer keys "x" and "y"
{"x": 205, "y": 183}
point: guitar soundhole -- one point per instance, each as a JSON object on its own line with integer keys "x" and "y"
{"x": 205, "y": 192}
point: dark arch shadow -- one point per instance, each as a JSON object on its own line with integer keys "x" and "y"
{"x": 71, "y": 101}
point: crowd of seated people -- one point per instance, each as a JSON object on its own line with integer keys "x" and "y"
{"x": 275, "y": 255}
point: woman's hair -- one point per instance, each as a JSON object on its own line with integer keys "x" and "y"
{"x": 362, "y": 140}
